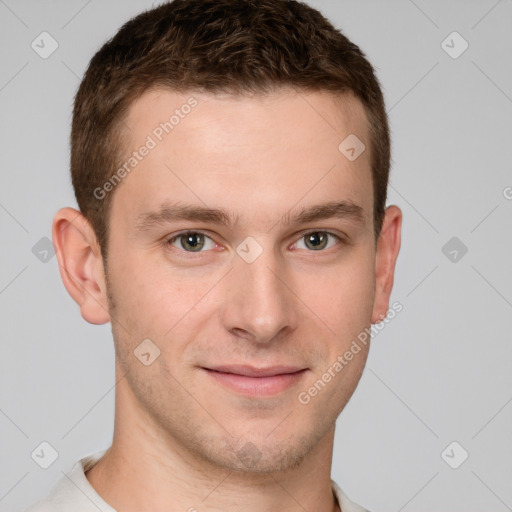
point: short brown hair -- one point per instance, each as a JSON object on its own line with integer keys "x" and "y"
{"x": 234, "y": 46}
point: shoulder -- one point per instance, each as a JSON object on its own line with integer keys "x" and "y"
{"x": 346, "y": 504}
{"x": 73, "y": 492}
{"x": 61, "y": 498}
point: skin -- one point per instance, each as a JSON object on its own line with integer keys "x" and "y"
{"x": 177, "y": 430}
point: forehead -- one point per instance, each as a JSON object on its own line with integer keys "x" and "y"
{"x": 306, "y": 111}
{"x": 251, "y": 152}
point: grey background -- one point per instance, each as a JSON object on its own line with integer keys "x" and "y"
{"x": 439, "y": 372}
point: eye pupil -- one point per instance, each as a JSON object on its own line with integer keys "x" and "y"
{"x": 194, "y": 241}
{"x": 189, "y": 241}
{"x": 318, "y": 240}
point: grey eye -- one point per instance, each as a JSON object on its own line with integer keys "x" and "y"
{"x": 317, "y": 240}
{"x": 191, "y": 241}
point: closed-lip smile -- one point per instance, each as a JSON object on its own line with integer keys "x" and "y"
{"x": 249, "y": 380}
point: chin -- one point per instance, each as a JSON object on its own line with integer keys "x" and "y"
{"x": 261, "y": 453}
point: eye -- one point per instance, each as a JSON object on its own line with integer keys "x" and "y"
{"x": 318, "y": 240}
{"x": 191, "y": 241}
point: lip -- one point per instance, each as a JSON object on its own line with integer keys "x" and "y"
{"x": 251, "y": 381}
{"x": 251, "y": 371}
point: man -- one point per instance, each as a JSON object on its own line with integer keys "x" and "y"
{"x": 230, "y": 160}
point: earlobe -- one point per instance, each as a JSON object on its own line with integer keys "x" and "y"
{"x": 388, "y": 247}
{"x": 80, "y": 264}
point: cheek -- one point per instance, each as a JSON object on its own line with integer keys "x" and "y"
{"x": 153, "y": 301}
{"x": 139, "y": 297}
{"x": 340, "y": 297}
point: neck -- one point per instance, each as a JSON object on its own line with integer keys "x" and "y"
{"x": 148, "y": 470}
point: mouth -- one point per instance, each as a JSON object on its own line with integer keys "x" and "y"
{"x": 250, "y": 381}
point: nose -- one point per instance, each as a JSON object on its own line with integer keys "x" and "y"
{"x": 260, "y": 303}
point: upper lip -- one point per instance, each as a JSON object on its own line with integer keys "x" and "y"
{"x": 250, "y": 371}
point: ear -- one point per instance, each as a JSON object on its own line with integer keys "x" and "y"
{"x": 388, "y": 247}
{"x": 80, "y": 264}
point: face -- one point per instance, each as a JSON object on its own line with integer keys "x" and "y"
{"x": 269, "y": 282}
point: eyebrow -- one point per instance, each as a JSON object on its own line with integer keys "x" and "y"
{"x": 168, "y": 213}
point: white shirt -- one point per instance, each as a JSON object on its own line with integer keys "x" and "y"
{"x": 74, "y": 493}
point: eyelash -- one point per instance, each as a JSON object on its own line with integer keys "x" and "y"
{"x": 171, "y": 240}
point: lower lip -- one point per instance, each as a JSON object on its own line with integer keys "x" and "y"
{"x": 257, "y": 386}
